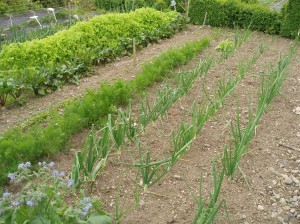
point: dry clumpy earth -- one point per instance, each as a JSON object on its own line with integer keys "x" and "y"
{"x": 269, "y": 189}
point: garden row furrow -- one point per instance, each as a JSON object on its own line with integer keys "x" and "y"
{"x": 188, "y": 168}
{"x": 151, "y": 135}
{"x": 205, "y": 149}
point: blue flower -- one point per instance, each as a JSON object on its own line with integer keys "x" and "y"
{"x": 55, "y": 173}
{"x": 51, "y": 164}
{"x": 12, "y": 176}
{"x": 85, "y": 213}
{"x": 21, "y": 166}
{"x": 6, "y": 195}
{"x": 30, "y": 203}
{"x": 70, "y": 183}
{"x": 86, "y": 200}
{"x": 173, "y": 3}
{"x": 15, "y": 204}
{"x": 62, "y": 174}
{"x": 86, "y": 209}
{"x": 27, "y": 165}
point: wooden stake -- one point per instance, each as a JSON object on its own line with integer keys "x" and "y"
{"x": 188, "y": 8}
{"x": 69, "y": 9}
{"x": 134, "y": 52}
{"x": 204, "y": 21}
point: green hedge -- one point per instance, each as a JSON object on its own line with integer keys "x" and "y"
{"x": 50, "y": 136}
{"x": 45, "y": 65}
{"x": 231, "y": 13}
{"x": 291, "y": 19}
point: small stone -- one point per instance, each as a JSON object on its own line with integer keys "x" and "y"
{"x": 274, "y": 182}
{"x": 260, "y": 208}
{"x": 274, "y": 214}
{"x": 207, "y": 145}
{"x": 282, "y": 201}
{"x": 297, "y": 110}
{"x": 243, "y": 217}
{"x": 292, "y": 211}
{"x": 286, "y": 208}
{"x": 296, "y": 181}
{"x": 177, "y": 177}
{"x": 287, "y": 179}
{"x": 277, "y": 196}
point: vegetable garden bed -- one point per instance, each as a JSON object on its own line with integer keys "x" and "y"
{"x": 217, "y": 95}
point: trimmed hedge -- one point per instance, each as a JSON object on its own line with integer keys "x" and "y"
{"x": 231, "y": 13}
{"x": 47, "y": 137}
{"x": 291, "y": 19}
{"x": 45, "y": 65}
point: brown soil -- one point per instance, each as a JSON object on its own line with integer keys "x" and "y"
{"x": 267, "y": 198}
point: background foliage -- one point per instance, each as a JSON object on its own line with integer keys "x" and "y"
{"x": 291, "y": 18}
{"x": 230, "y": 13}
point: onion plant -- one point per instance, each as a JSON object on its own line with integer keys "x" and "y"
{"x": 207, "y": 211}
{"x": 117, "y": 130}
{"x": 269, "y": 87}
{"x": 92, "y": 159}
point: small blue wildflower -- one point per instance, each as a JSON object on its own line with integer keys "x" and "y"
{"x": 86, "y": 209}
{"x": 173, "y": 3}
{"x": 86, "y": 200}
{"x": 21, "y": 166}
{"x": 55, "y": 173}
{"x": 62, "y": 174}
{"x": 12, "y": 176}
{"x": 70, "y": 183}
{"x": 6, "y": 195}
{"x": 15, "y": 204}
{"x": 27, "y": 165}
{"x": 51, "y": 164}
{"x": 84, "y": 213}
{"x": 30, "y": 203}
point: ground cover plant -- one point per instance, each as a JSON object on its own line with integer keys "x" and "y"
{"x": 36, "y": 141}
{"x": 67, "y": 54}
{"x": 42, "y": 198}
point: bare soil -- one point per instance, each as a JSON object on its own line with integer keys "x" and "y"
{"x": 263, "y": 195}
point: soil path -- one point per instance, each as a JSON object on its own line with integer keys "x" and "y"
{"x": 119, "y": 69}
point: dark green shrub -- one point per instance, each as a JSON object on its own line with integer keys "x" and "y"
{"x": 11, "y": 6}
{"x": 53, "y": 3}
{"x": 291, "y": 19}
{"x": 160, "y": 5}
{"x": 233, "y": 13}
